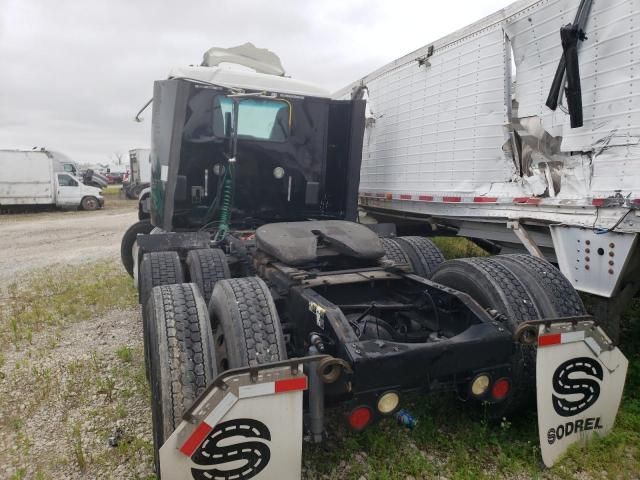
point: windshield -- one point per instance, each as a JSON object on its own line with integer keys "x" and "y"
{"x": 258, "y": 119}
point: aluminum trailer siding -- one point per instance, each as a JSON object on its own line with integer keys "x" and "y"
{"x": 458, "y": 134}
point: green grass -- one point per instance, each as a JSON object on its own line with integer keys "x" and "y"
{"x": 112, "y": 190}
{"x": 454, "y": 247}
{"x": 53, "y": 297}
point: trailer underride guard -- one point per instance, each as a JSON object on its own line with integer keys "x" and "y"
{"x": 265, "y": 301}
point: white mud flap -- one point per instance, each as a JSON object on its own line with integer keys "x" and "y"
{"x": 248, "y": 426}
{"x": 580, "y": 377}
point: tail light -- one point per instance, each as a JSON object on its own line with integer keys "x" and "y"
{"x": 500, "y": 389}
{"x": 360, "y": 417}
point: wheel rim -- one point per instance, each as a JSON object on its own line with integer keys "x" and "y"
{"x": 90, "y": 203}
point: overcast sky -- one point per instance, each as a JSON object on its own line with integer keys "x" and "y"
{"x": 74, "y": 72}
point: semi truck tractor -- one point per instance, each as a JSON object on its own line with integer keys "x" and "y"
{"x": 42, "y": 177}
{"x": 265, "y": 300}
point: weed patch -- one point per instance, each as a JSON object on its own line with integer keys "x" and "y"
{"x": 59, "y": 295}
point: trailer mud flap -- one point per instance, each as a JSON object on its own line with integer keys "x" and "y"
{"x": 580, "y": 377}
{"x": 248, "y": 425}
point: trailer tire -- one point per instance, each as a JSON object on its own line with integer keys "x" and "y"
{"x": 90, "y": 203}
{"x": 394, "y": 252}
{"x": 553, "y": 293}
{"x": 207, "y": 266}
{"x": 158, "y": 268}
{"x": 425, "y": 256}
{"x": 246, "y": 325}
{"x": 128, "y": 239}
{"x": 181, "y": 356}
{"x": 494, "y": 286}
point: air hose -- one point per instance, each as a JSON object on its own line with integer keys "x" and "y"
{"x": 226, "y": 204}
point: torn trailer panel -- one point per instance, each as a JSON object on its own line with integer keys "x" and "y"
{"x": 458, "y": 132}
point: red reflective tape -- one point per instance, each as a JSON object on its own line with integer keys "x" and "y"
{"x": 520, "y": 199}
{"x": 597, "y": 202}
{"x": 485, "y": 199}
{"x": 380, "y": 195}
{"x": 551, "y": 339}
{"x": 451, "y": 199}
{"x": 534, "y": 201}
{"x": 299, "y": 383}
{"x": 635, "y": 201}
{"x": 389, "y": 196}
{"x": 426, "y": 198}
{"x": 405, "y": 197}
{"x": 196, "y": 438}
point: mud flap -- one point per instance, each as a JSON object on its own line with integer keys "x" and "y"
{"x": 580, "y": 377}
{"x": 248, "y": 425}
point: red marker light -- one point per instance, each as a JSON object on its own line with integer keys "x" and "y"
{"x": 500, "y": 389}
{"x": 360, "y": 417}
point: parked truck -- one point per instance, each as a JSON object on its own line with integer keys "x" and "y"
{"x": 476, "y": 135}
{"x": 139, "y": 172}
{"x": 42, "y": 177}
{"x": 265, "y": 301}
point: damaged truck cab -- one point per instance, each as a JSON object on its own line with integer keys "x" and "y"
{"x": 288, "y": 155}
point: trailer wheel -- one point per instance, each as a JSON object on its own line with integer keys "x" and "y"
{"x": 424, "y": 255}
{"x": 394, "y": 252}
{"x": 494, "y": 286}
{"x": 181, "y": 355}
{"x": 128, "y": 239}
{"x": 247, "y": 329}
{"x": 553, "y": 293}
{"x": 207, "y": 266}
{"x": 158, "y": 268}
{"x": 89, "y": 203}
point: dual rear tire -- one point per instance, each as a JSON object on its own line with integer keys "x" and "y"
{"x": 186, "y": 346}
{"x": 521, "y": 288}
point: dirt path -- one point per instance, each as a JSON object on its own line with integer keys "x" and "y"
{"x": 36, "y": 240}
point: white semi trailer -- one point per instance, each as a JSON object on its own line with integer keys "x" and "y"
{"x": 139, "y": 172}
{"x": 41, "y": 177}
{"x": 462, "y": 137}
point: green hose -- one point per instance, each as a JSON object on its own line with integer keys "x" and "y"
{"x": 225, "y": 207}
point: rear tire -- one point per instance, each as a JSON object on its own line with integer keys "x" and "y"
{"x": 181, "y": 356}
{"x": 247, "y": 329}
{"x": 424, "y": 255}
{"x": 551, "y": 291}
{"x": 394, "y": 252}
{"x": 206, "y": 267}
{"x": 494, "y": 286}
{"x": 158, "y": 268}
{"x": 89, "y": 203}
{"x": 143, "y": 227}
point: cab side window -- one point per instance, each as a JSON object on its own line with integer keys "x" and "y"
{"x": 69, "y": 168}
{"x": 66, "y": 181}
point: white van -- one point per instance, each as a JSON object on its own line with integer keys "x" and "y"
{"x": 36, "y": 177}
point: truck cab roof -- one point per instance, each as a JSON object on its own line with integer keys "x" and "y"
{"x": 244, "y": 79}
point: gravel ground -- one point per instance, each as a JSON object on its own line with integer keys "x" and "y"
{"x": 77, "y": 383}
{"x": 36, "y": 240}
{"x": 82, "y": 391}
